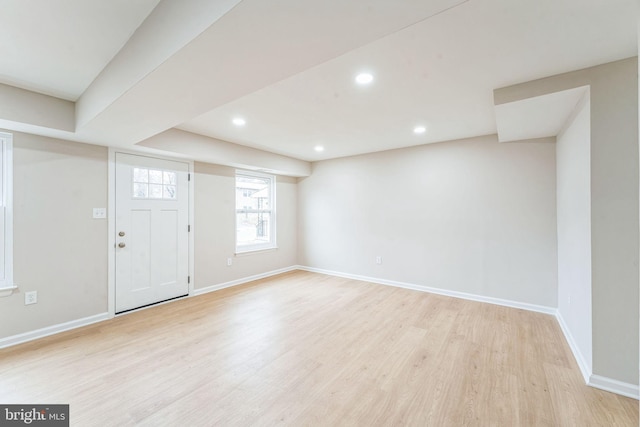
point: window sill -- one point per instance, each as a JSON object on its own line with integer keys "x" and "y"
{"x": 5, "y": 292}
{"x": 243, "y": 252}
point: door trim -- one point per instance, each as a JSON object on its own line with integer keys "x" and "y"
{"x": 111, "y": 217}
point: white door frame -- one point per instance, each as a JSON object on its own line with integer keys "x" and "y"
{"x": 111, "y": 218}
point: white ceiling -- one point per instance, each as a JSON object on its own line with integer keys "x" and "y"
{"x": 57, "y": 47}
{"x": 288, "y": 66}
{"x": 440, "y": 72}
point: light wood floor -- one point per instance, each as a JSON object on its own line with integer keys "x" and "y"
{"x": 305, "y": 349}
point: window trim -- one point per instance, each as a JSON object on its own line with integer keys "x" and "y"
{"x": 7, "y": 285}
{"x": 272, "y": 244}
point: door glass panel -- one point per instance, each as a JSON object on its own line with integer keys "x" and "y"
{"x": 155, "y": 176}
{"x": 155, "y": 191}
{"x": 140, "y": 175}
{"x": 169, "y": 192}
{"x": 169, "y": 178}
{"x": 140, "y": 191}
{"x": 154, "y": 184}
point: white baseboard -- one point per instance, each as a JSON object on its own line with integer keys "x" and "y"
{"x": 50, "y": 330}
{"x": 614, "y": 386}
{"x": 439, "y": 291}
{"x": 596, "y": 381}
{"x": 585, "y": 369}
{"x": 212, "y": 288}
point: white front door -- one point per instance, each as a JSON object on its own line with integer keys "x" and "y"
{"x": 151, "y": 226}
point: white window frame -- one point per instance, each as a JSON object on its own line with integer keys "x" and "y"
{"x": 6, "y": 281}
{"x": 272, "y": 244}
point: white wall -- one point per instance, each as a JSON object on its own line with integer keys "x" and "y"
{"x": 215, "y": 228}
{"x": 473, "y": 216}
{"x": 614, "y": 208}
{"x": 614, "y": 220}
{"x": 59, "y": 250}
{"x": 573, "y": 166}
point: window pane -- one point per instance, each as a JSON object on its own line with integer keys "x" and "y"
{"x": 253, "y": 228}
{"x": 2, "y": 200}
{"x": 169, "y": 178}
{"x": 140, "y": 175}
{"x": 140, "y": 191}
{"x": 155, "y": 191}
{"x": 252, "y": 193}
{"x": 169, "y": 192}
{"x": 154, "y": 184}
{"x": 254, "y": 211}
{"x": 155, "y": 176}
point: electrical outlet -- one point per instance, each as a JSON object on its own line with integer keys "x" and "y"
{"x": 30, "y": 297}
{"x": 378, "y": 260}
{"x": 99, "y": 213}
{"x": 229, "y": 262}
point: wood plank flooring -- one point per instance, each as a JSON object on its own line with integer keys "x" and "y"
{"x": 306, "y": 349}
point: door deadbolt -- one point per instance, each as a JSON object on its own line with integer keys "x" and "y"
{"x": 121, "y": 234}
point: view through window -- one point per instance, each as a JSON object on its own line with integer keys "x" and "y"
{"x": 255, "y": 211}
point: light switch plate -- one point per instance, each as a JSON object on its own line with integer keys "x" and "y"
{"x": 99, "y": 213}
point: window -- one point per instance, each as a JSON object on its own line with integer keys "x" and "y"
{"x": 154, "y": 184}
{"x": 255, "y": 211}
{"x": 6, "y": 212}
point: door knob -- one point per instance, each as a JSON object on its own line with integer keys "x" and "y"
{"x": 121, "y": 245}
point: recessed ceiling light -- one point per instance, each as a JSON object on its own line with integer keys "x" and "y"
{"x": 239, "y": 121}
{"x": 364, "y": 78}
{"x": 419, "y": 129}
{"x": 319, "y": 148}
